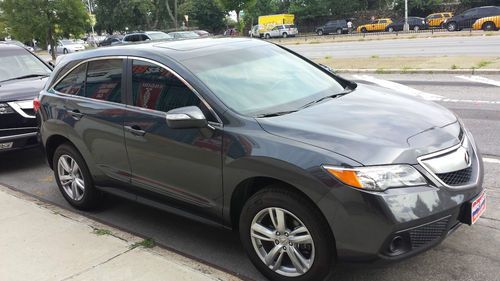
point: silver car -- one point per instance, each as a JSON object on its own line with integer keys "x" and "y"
{"x": 282, "y": 30}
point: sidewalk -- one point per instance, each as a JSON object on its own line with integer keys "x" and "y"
{"x": 39, "y": 241}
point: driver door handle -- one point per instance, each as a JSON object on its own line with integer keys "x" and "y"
{"x": 135, "y": 130}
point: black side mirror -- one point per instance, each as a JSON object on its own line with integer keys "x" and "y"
{"x": 186, "y": 117}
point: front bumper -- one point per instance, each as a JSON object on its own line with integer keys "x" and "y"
{"x": 19, "y": 138}
{"x": 365, "y": 223}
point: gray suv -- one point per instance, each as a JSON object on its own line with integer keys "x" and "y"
{"x": 310, "y": 168}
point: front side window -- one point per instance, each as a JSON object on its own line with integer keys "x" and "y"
{"x": 74, "y": 82}
{"x": 156, "y": 88}
{"x": 104, "y": 80}
{"x": 383, "y": 21}
{"x": 262, "y": 79}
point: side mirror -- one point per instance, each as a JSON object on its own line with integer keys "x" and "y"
{"x": 186, "y": 118}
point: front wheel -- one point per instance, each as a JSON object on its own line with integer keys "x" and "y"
{"x": 452, "y": 26}
{"x": 364, "y": 30}
{"x": 286, "y": 237}
{"x": 416, "y": 28}
{"x": 285, "y": 35}
{"x": 65, "y": 51}
{"x": 320, "y": 32}
{"x": 267, "y": 36}
{"x": 339, "y": 31}
{"x": 391, "y": 29}
{"x": 74, "y": 179}
{"x": 489, "y": 26}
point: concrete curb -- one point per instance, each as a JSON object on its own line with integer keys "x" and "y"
{"x": 112, "y": 252}
{"x": 421, "y": 71}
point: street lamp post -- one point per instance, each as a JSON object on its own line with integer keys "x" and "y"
{"x": 406, "y": 27}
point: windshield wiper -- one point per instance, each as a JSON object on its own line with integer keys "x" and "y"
{"x": 274, "y": 114}
{"x": 26, "y": 76}
{"x": 343, "y": 93}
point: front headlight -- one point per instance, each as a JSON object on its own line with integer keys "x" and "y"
{"x": 378, "y": 178}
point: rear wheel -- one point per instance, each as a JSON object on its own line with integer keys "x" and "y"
{"x": 363, "y": 30}
{"x": 339, "y": 31}
{"x": 391, "y": 29}
{"x": 489, "y": 26}
{"x": 285, "y": 35}
{"x": 74, "y": 179}
{"x": 285, "y": 236}
{"x": 320, "y": 32}
{"x": 65, "y": 51}
{"x": 416, "y": 28}
{"x": 267, "y": 36}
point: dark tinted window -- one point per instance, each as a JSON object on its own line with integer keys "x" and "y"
{"x": 156, "y": 88}
{"x": 104, "y": 80}
{"x": 489, "y": 11}
{"x": 383, "y": 21}
{"x": 74, "y": 82}
{"x": 470, "y": 13}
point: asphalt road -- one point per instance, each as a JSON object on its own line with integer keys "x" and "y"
{"x": 471, "y": 253}
{"x": 425, "y": 47}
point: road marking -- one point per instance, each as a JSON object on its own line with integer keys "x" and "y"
{"x": 491, "y": 160}
{"x": 414, "y": 92}
{"x": 398, "y": 87}
{"x": 480, "y": 79}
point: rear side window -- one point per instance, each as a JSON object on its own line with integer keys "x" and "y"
{"x": 156, "y": 88}
{"x": 74, "y": 82}
{"x": 104, "y": 80}
{"x": 383, "y": 21}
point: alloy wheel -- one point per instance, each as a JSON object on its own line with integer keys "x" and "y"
{"x": 282, "y": 242}
{"x": 71, "y": 177}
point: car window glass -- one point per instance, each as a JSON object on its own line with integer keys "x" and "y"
{"x": 471, "y": 12}
{"x": 74, "y": 82}
{"x": 383, "y": 21}
{"x": 156, "y": 88}
{"x": 104, "y": 80}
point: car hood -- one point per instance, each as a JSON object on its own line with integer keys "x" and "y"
{"x": 24, "y": 89}
{"x": 371, "y": 125}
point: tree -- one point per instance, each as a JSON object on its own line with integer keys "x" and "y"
{"x": 206, "y": 14}
{"x": 45, "y": 20}
{"x": 3, "y": 27}
{"x": 112, "y": 15}
{"x": 235, "y": 5}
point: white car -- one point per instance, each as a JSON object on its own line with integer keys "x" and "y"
{"x": 282, "y": 30}
{"x": 67, "y": 46}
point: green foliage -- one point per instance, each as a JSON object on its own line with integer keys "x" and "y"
{"x": 205, "y": 14}
{"x": 3, "y": 28}
{"x": 235, "y": 5}
{"x": 112, "y": 15}
{"x": 45, "y": 20}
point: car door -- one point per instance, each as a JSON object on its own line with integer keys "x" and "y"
{"x": 329, "y": 27}
{"x": 181, "y": 164}
{"x": 95, "y": 111}
{"x": 468, "y": 18}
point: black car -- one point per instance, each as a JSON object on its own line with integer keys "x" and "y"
{"x": 467, "y": 18}
{"x": 333, "y": 26}
{"x": 22, "y": 77}
{"x": 414, "y": 23}
{"x": 312, "y": 169}
{"x": 111, "y": 40}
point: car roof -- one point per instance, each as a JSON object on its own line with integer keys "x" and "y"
{"x": 176, "y": 50}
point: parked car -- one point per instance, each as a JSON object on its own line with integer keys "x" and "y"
{"x": 414, "y": 23}
{"x": 282, "y": 30}
{"x": 22, "y": 77}
{"x": 437, "y": 20}
{"x": 111, "y": 40}
{"x": 182, "y": 35}
{"x": 66, "y": 46}
{"x": 20, "y": 44}
{"x": 333, "y": 26}
{"x": 487, "y": 23}
{"x": 146, "y": 36}
{"x": 469, "y": 17}
{"x": 376, "y": 25}
{"x": 311, "y": 168}
{"x": 202, "y": 33}
{"x": 256, "y": 31}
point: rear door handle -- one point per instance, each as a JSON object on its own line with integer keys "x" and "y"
{"x": 135, "y": 130}
{"x": 75, "y": 113}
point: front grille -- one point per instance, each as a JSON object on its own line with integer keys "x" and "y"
{"x": 457, "y": 178}
{"x": 428, "y": 233}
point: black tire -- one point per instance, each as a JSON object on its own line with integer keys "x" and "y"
{"x": 416, "y": 28}
{"x": 319, "y": 32}
{"x": 452, "y": 26}
{"x": 65, "y": 51}
{"x": 390, "y": 29}
{"x": 364, "y": 30}
{"x": 339, "y": 31}
{"x": 275, "y": 196}
{"x": 489, "y": 26}
{"x": 91, "y": 196}
{"x": 285, "y": 35}
{"x": 267, "y": 36}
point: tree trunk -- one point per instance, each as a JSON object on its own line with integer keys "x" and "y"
{"x": 171, "y": 15}
{"x": 237, "y": 16}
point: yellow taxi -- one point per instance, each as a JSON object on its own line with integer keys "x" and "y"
{"x": 487, "y": 23}
{"x": 437, "y": 19}
{"x": 376, "y": 25}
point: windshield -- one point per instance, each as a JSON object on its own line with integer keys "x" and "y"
{"x": 68, "y": 42}
{"x": 263, "y": 79}
{"x": 19, "y": 63}
{"x": 159, "y": 36}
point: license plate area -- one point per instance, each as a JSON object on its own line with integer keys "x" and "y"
{"x": 478, "y": 206}
{"x": 6, "y": 145}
